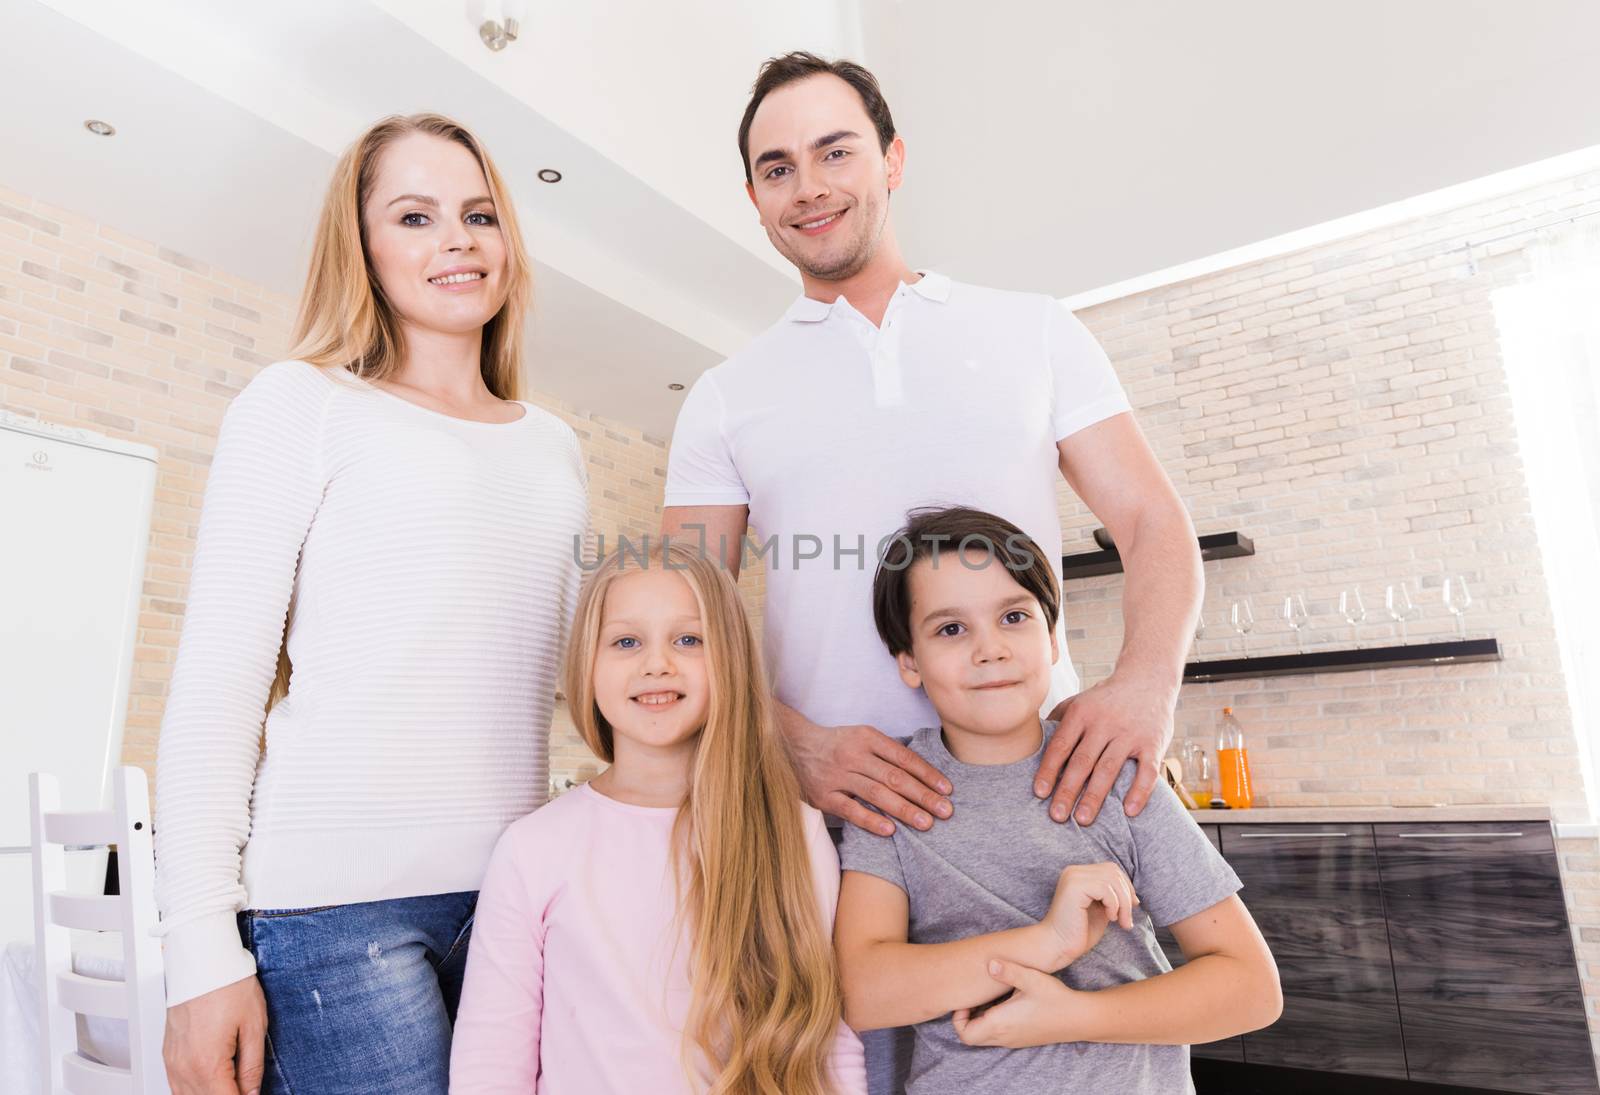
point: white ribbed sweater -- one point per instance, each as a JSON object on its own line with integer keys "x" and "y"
{"x": 427, "y": 568}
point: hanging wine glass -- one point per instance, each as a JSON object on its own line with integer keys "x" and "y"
{"x": 1296, "y": 616}
{"x": 1200, "y": 626}
{"x": 1458, "y": 598}
{"x": 1354, "y": 612}
{"x": 1397, "y": 599}
{"x": 1244, "y": 618}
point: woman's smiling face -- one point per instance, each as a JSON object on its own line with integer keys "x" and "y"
{"x": 432, "y": 236}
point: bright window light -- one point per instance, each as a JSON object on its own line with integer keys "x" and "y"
{"x": 1550, "y": 335}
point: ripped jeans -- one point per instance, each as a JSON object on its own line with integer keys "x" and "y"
{"x": 361, "y": 998}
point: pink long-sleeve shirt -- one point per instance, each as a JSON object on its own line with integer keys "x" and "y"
{"x": 578, "y": 973}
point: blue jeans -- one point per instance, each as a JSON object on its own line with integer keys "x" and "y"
{"x": 361, "y": 998}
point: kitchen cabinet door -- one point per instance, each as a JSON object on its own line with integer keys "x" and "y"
{"x": 1488, "y": 985}
{"x": 1314, "y": 891}
{"x": 1229, "y": 1049}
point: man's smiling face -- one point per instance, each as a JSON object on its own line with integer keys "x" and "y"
{"x": 818, "y": 178}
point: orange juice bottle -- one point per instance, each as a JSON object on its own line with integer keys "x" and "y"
{"x": 1233, "y": 762}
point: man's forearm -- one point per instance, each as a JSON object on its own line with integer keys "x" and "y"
{"x": 898, "y": 984}
{"x": 791, "y": 723}
{"x": 798, "y": 734}
{"x": 1161, "y": 597}
{"x": 1214, "y": 996}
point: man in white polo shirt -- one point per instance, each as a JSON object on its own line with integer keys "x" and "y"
{"x": 883, "y": 389}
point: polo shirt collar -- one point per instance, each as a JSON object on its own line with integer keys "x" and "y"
{"x": 933, "y": 286}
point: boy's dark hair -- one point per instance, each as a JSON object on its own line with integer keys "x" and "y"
{"x": 776, "y": 72}
{"x": 930, "y": 532}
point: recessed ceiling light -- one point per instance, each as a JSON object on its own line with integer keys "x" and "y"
{"x": 674, "y": 387}
{"x": 99, "y": 128}
{"x": 549, "y": 175}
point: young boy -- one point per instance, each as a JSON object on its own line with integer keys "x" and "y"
{"x": 932, "y": 926}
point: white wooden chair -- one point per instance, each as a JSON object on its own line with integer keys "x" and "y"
{"x": 140, "y": 997}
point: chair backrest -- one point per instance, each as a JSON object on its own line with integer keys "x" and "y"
{"x": 140, "y": 997}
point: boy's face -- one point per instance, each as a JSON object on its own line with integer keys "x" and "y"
{"x": 980, "y": 647}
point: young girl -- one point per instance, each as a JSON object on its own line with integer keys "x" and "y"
{"x": 664, "y": 927}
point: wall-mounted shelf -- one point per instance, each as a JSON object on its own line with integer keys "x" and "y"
{"x": 1452, "y": 652}
{"x": 1214, "y": 545}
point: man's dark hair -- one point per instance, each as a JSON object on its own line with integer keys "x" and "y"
{"x": 791, "y": 67}
{"x": 932, "y": 532}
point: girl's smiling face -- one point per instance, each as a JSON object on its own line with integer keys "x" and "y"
{"x": 650, "y": 677}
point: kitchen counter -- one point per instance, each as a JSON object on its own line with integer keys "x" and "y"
{"x": 1370, "y": 815}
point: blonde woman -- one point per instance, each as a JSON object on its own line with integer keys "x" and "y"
{"x": 665, "y": 927}
{"x": 386, "y": 553}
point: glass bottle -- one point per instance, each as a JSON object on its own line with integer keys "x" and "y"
{"x": 1233, "y": 762}
{"x": 1197, "y": 774}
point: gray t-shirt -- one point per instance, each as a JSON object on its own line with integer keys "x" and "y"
{"x": 994, "y": 865}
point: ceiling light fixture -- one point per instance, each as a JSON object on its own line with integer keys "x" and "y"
{"x": 99, "y": 128}
{"x": 498, "y": 21}
{"x": 549, "y": 175}
{"x": 674, "y": 387}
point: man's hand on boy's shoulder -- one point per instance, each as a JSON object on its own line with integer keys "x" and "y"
{"x": 1101, "y": 729}
{"x": 836, "y": 765}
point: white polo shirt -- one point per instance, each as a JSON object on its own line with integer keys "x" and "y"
{"x": 831, "y": 429}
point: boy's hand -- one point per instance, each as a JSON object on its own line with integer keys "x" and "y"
{"x": 1088, "y": 897}
{"x": 1037, "y": 1013}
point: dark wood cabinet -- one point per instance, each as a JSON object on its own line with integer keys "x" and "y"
{"x": 1229, "y": 1049}
{"x": 1314, "y": 890}
{"x": 1488, "y": 987}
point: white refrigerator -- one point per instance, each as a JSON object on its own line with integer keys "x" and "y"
{"x": 74, "y": 525}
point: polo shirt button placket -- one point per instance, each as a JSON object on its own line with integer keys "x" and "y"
{"x": 887, "y": 390}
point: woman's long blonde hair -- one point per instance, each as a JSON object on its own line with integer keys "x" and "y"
{"x": 346, "y": 322}
{"x": 765, "y": 1001}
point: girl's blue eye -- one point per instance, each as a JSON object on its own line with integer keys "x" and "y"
{"x": 625, "y": 639}
{"x": 691, "y": 640}
{"x": 414, "y": 220}
{"x": 486, "y": 221}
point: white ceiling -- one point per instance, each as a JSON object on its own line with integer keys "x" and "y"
{"x": 1066, "y": 146}
{"x": 1052, "y": 146}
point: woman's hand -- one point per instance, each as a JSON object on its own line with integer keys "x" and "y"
{"x": 215, "y": 1043}
{"x": 1038, "y": 1012}
{"x": 1088, "y": 898}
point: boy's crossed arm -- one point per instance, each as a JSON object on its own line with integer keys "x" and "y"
{"x": 1228, "y": 986}
{"x": 889, "y": 982}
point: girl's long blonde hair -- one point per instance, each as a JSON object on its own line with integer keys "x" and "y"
{"x": 765, "y": 1001}
{"x": 346, "y": 322}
